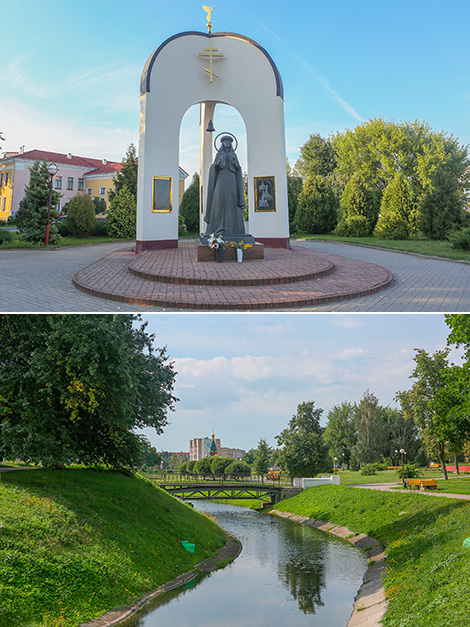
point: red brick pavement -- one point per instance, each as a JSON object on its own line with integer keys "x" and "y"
{"x": 283, "y": 279}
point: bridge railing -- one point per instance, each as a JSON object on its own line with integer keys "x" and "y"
{"x": 175, "y": 477}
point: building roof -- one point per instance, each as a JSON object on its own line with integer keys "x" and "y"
{"x": 96, "y": 166}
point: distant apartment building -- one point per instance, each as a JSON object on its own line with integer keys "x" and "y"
{"x": 200, "y": 447}
{"x": 234, "y": 453}
{"x": 76, "y": 174}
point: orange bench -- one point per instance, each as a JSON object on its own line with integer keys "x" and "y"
{"x": 429, "y": 484}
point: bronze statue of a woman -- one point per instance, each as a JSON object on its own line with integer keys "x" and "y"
{"x": 225, "y": 197}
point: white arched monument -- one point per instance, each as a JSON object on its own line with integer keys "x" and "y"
{"x": 191, "y": 68}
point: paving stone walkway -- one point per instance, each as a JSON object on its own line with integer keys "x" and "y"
{"x": 40, "y": 281}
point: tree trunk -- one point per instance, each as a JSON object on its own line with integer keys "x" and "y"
{"x": 457, "y": 471}
{"x": 443, "y": 463}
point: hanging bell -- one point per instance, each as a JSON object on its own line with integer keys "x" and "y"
{"x": 210, "y": 127}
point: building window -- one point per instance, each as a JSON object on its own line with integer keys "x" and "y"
{"x": 70, "y": 182}
{"x": 59, "y": 205}
{"x": 88, "y": 191}
{"x": 6, "y": 178}
{"x": 4, "y": 208}
{"x": 81, "y": 185}
{"x": 102, "y": 191}
{"x": 1, "y": 179}
{"x": 58, "y": 182}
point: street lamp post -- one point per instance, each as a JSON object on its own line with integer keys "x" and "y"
{"x": 403, "y": 453}
{"x": 343, "y": 460}
{"x": 335, "y": 459}
{"x": 396, "y": 457}
{"x": 52, "y": 169}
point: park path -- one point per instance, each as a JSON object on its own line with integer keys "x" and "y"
{"x": 41, "y": 281}
{"x": 390, "y": 487}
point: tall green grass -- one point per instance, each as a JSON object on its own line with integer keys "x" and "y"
{"x": 428, "y": 569}
{"x": 75, "y": 544}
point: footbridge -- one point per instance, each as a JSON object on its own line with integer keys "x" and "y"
{"x": 234, "y": 490}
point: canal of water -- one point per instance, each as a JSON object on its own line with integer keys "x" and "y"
{"x": 287, "y": 574}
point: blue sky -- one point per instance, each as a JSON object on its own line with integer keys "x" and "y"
{"x": 70, "y": 72}
{"x": 245, "y": 374}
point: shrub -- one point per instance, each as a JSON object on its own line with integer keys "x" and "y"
{"x": 100, "y": 205}
{"x": 81, "y": 215}
{"x": 101, "y": 228}
{"x": 369, "y": 469}
{"x": 398, "y": 217}
{"x": 359, "y": 209}
{"x": 65, "y": 228}
{"x": 5, "y": 236}
{"x": 409, "y": 471}
{"x": 317, "y": 207}
{"x": 203, "y": 467}
{"x": 122, "y": 214}
{"x": 460, "y": 238}
{"x": 189, "y": 207}
{"x": 183, "y": 469}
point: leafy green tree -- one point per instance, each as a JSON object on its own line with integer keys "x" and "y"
{"x": 219, "y": 464}
{"x": 304, "y": 452}
{"x": 372, "y": 433}
{"x": 122, "y": 214}
{"x": 190, "y": 466}
{"x": 340, "y": 432}
{"x": 399, "y": 215}
{"x": 203, "y": 467}
{"x": 81, "y": 218}
{"x": 183, "y": 469}
{"x": 434, "y": 402}
{"x": 150, "y": 456}
{"x": 127, "y": 177}
{"x": 189, "y": 207}
{"x": 262, "y": 458}
{"x": 317, "y": 208}
{"x": 378, "y": 150}
{"x": 317, "y": 157}
{"x": 249, "y": 456}
{"x": 238, "y": 468}
{"x": 442, "y": 208}
{"x": 77, "y": 388}
{"x": 359, "y": 209}
{"x": 31, "y": 218}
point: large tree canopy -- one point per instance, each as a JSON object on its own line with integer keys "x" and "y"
{"x": 75, "y": 387}
{"x": 380, "y": 149}
{"x": 303, "y": 452}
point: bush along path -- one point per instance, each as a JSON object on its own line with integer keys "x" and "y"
{"x": 370, "y": 603}
{"x": 427, "y": 575}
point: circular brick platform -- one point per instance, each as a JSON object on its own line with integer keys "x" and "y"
{"x": 177, "y": 266}
{"x": 174, "y": 278}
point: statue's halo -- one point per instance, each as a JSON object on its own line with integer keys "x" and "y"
{"x": 225, "y": 133}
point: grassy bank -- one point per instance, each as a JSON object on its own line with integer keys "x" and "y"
{"x": 434, "y": 248}
{"x": 76, "y": 543}
{"x": 428, "y": 569}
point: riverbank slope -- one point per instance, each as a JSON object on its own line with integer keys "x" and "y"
{"x": 76, "y": 543}
{"x": 427, "y": 581}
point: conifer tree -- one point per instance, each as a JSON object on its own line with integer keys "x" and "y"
{"x": 31, "y": 218}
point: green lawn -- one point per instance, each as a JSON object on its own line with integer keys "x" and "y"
{"x": 434, "y": 248}
{"x": 15, "y": 242}
{"x": 75, "y": 544}
{"x": 428, "y": 570}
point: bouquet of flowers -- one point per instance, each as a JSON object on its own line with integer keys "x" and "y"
{"x": 240, "y": 245}
{"x": 215, "y": 241}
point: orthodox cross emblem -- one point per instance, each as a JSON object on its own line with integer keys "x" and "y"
{"x": 211, "y": 53}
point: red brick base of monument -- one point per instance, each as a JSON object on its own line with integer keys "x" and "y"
{"x": 173, "y": 278}
{"x": 256, "y": 251}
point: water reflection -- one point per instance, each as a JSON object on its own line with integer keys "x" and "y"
{"x": 287, "y": 574}
{"x": 302, "y": 566}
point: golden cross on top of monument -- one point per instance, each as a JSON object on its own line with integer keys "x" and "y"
{"x": 209, "y": 52}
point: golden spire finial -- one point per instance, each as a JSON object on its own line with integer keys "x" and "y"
{"x": 208, "y": 10}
